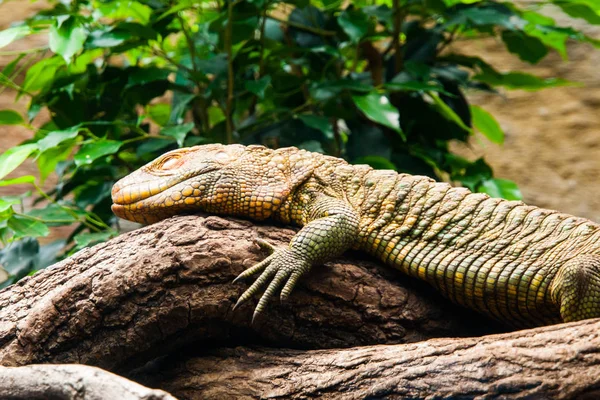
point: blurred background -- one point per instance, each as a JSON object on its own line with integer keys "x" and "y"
{"x": 545, "y": 147}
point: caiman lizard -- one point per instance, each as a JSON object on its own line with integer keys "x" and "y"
{"x": 520, "y": 264}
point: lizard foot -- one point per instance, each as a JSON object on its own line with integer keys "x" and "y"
{"x": 282, "y": 269}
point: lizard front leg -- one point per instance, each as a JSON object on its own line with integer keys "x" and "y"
{"x": 331, "y": 229}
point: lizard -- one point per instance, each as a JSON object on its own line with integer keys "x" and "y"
{"x": 522, "y": 265}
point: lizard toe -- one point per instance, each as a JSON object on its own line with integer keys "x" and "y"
{"x": 255, "y": 269}
{"x": 256, "y": 285}
{"x": 263, "y": 244}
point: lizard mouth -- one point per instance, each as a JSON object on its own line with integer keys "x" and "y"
{"x": 147, "y": 198}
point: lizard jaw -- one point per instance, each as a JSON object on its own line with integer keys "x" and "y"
{"x": 136, "y": 199}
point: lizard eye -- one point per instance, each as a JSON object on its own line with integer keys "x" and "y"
{"x": 222, "y": 156}
{"x": 170, "y": 162}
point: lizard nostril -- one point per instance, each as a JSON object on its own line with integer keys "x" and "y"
{"x": 115, "y": 190}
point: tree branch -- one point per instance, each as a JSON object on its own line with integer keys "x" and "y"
{"x": 71, "y": 382}
{"x": 556, "y": 362}
{"x": 145, "y": 293}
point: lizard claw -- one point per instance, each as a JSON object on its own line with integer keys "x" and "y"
{"x": 282, "y": 269}
{"x": 265, "y": 245}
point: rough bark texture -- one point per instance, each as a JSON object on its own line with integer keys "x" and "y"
{"x": 71, "y": 382}
{"x": 166, "y": 289}
{"x": 556, "y": 362}
{"x": 149, "y": 291}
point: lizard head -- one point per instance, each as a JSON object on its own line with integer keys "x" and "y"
{"x": 233, "y": 179}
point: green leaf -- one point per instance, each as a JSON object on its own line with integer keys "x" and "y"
{"x": 67, "y": 37}
{"x": 528, "y": 48}
{"x": 501, "y": 188}
{"x": 124, "y": 9}
{"x": 355, "y": 24}
{"x": 105, "y": 38}
{"x": 451, "y": 3}
{"x": 487, "y": 124}
{"x": 583, "y": 11}
{"x": 20, "y": 257}
{"x": 8, "y": 202}
{"x": 9, "y": 35}
{"x": 309, "y": 16}
{"x": 447, "y": 111}
{"x": 41, "y": 73}
{"x": 140, "y": 30}
{"x": 377, "y": 108}
{"x": 319, "y": 123}
{"x": 376, "y": 162}
{"x": 141, "y": 76}
{"x": 25, "y": 226}
{"x": 552, "y": 36}
{"x": 93, "y": 193}
{"x": 179, "y": 106}
{"x": 53, "y": 215}
{"x": 521, "y": 80}
{"x": 54, "y": 138}
{"x": 11, "y": 66}
{"x": 49, "y": 253}
{"x": 486, "y": 16}
{"x": 413, "y": 86}
{"x": 13, "y": 157}
{"x": 159, "y": 113}
{"x": 87, "y": 239}
{"x": 472, "y": 174}
{"x": 49, "y": 159}
{"x": 215, "y": 115}
{"x": 312, "y": 145}
{"x": 10, "y": 117}
{"x": 18, "y": 181}
{"x": 258, "y": 87}
{"x": 92, "y": 151}
{"x": 152, "y": 145}
{"x": 179, "y": 132}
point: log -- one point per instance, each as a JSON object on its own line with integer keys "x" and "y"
{"x": 71, "y": 382}
{"x": 147, "y": 292}
{"x": 555, "y": 362}
{"x": 144, "y": 301}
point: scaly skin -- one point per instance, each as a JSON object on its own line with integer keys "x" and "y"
{"x": 519, "y": 264}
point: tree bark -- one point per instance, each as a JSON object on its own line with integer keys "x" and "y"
{"x": 141, "y": 295}
{"x": 71, "y": 382}
{"x": 167, "y": 289}
{"x": 556, "y": 362}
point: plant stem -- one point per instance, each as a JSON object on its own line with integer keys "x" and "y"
{"x": 398, "y": 19}
{"x": 230, "y": 76}
{"x": 261, "y": 56}
{"x": 84, "y": 221}
{"x": 19, "y": 52}
{"x": 189, "y": 41}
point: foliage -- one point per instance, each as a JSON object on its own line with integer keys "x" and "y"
{"x": 371, "y": 81}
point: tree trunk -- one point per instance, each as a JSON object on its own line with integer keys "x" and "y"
{"x": 147, "y": 292}
{"x": 71, "y": 382}
{"x": 556, "y": 362}
{"x": 167, "y": 289}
